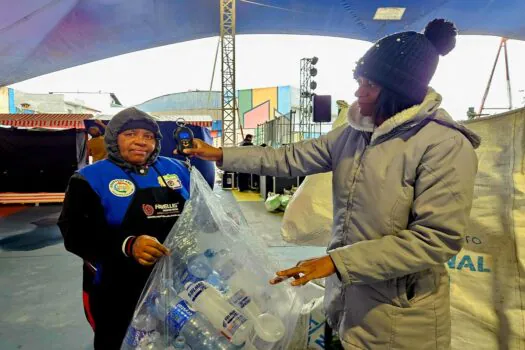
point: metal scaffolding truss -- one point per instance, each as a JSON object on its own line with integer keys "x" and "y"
{"x": 305, "y": 99}
{"x": 502, "y": 45}
{"x": 229, "y": 100}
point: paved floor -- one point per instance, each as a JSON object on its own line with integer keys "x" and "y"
{"x": 40, "y": 283}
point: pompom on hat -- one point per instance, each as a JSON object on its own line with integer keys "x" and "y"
{"x": 406, "y": 62}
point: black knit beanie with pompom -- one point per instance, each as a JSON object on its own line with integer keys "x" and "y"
{"x": 405, "y": 62}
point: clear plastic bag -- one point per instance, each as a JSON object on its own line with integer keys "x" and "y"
{"x": 212, "y": 292}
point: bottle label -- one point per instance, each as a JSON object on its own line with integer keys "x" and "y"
{"x": 134, "y": 336}
{"x": 179, "y": 315}
{"x": 194, "y": 290}
{"x": 240, "y": 299}
{"x": 233, "y": 322}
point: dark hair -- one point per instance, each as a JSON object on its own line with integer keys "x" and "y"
{"x": 248, "y": 135}
{"x": 390, "y": 103}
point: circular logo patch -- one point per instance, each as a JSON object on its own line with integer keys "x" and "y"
{"x": 122, "y": 187}
{"x": 148, "y": 209}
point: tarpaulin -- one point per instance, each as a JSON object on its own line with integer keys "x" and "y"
{"x": 42, "y": 36}
{"x": 487, "y": 278}
{"x": 37, "y": 161}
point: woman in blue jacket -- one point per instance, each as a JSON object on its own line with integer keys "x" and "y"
{"x": 115, "y": 214}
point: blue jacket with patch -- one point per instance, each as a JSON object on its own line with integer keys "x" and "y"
{"x": 98, "y": 198}
{"x": 115, "y": 186}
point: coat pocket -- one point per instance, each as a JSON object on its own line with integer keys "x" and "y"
{"x": 415, "y": 288}
{"x": 426, "y": 320}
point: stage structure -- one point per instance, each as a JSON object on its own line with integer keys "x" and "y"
{"x": 229, "y": 99}
{"x": 307, "y": 87}
{"x": 502, "y": 45}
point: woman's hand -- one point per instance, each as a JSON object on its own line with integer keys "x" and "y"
{"x": 307, "y": 270}
{"x": 203, "y": 151}
{"x": 147, "y": 250}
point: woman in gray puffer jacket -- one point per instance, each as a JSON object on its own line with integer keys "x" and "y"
{"x": 403, "y": 180}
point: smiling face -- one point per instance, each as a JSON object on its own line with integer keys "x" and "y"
{"x": 136, "y": 145}
{"x": 367, "y": 95}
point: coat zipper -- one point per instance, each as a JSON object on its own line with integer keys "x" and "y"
{"x": 349, "y": 204}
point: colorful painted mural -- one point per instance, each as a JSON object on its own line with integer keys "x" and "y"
{"x": 257, "y": 115}
{"x": 257, "y": 106}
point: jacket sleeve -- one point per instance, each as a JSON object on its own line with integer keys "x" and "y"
{"x": 84, "y": 226}
{"x": 440, "y": 214}
{"x": 297, "y": 159}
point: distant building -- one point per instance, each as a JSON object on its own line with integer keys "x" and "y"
{"x": 256, "y": 106}
{"x": 15, "y": 101}
{"x": 185, "y": 103}
{"x": 78, "y": 107}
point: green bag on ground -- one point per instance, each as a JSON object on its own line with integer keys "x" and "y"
{"x": 273, "y": 202}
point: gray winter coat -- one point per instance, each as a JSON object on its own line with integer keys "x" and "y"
{"x": 402, "y": 197}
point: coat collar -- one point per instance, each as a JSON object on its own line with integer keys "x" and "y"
{"x": 410, "y": 117}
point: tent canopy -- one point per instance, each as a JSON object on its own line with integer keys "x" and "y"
{"x": 42, "y": 36}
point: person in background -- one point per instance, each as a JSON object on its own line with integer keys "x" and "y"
{"x": 115, "y": 214}
{"x": 403, "y": 182}
{"x": 95, "y": 145}
{"x": 248, "y": 140}
{"x": 243, "y": 180}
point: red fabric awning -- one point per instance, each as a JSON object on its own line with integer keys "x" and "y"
{"x": 50, "y": 121}
{"x": 203, "y": 124}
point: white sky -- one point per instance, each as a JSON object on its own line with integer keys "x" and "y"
{"x": 273, "y": 60}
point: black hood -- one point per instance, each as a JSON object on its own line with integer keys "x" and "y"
{"x": 114, "y": 128}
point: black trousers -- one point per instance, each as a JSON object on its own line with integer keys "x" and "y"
{"x": 243, "y": 181}
{"x": 112, "y": 312}
{"x": 110, "y": 305}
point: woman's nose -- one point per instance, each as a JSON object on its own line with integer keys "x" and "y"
{"x": 140, "y": 140}
{"x": 360, "y": 92}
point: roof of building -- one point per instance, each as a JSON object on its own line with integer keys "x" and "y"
{"x": 45, "y": 121}
{"x": 183, "y": 101}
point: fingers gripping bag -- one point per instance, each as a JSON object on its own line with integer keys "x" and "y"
{"x": 212, "y": 291}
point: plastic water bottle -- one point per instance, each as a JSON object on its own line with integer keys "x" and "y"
{"x": 242, "y": 287}
{"x": 198, "y": 269}
{"x": 152, "y": 341}
{"x": 181, "y": 320}
{"x": 267, "y": 327}
{"x": 219, "y": 312}
{"x": 268, "y": 330}
{"x": 141, "y": 327}
{"x": 180, "y": 344}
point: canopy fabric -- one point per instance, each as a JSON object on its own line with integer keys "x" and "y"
{"x": 45, "y": 121}
{"x": 42, "y": 36}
